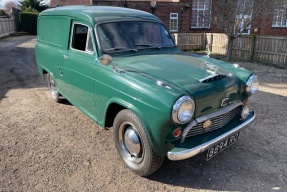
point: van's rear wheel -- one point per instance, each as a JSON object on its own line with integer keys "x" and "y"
{"x": 53, "y": 89}
{"x": 132, "y": 144}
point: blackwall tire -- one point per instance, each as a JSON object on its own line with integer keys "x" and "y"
{"x": 133, "y": 146}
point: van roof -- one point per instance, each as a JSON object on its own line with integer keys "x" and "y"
{"x": 97, "y": 14}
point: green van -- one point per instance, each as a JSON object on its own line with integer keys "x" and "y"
{"x": 122, "y": 69}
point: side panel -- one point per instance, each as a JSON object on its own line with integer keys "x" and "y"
{"x": 78, "y": 72}
{"x": 53, "y": 36}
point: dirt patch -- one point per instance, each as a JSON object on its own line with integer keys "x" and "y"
{"x": 46, "y": 146}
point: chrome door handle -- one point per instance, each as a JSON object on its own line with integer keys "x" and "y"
{"x": 66, "y": 57}
{"x": 61, "y": 72}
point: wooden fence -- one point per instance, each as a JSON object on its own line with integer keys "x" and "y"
{"x": 6, "y": 26}
{"x": 217, "y": 43}
{"x": 190, "y": 41}
{"x": 265, "y": 49}
{"x": 271, "y": 50}
{"x": 242, "y": 48}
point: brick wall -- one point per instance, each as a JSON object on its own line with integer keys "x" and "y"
{"x": 265, "y": 28}
{"x": 165, "y": 7}
{"x": 162, "y": 11}
{"x": 54, "y": 3}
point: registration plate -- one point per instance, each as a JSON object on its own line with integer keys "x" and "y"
{"x": 221, "y": 146}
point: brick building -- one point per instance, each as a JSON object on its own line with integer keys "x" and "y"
{"x": 185, "y": 16}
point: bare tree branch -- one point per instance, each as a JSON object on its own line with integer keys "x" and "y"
{"x": 8, "y": 6}
{"x": 235, "y": 17}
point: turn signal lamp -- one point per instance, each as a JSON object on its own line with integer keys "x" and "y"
{"x": 177, "y": 132}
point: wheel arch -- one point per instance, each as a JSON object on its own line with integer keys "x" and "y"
{"x": 44, "y": 73}
{"x": 116, "y": 105}
{"x": 111, "y": 112}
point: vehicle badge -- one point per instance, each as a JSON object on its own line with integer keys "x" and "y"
{"x": 224, "y": 102}
{"x": 210, "y": 68}
{"x": 207, "y": 124}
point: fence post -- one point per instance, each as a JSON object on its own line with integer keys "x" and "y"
{"x": 1, "y": 28}
{"x": 17, "y": 25}
{"x": 203, "y": 40}
{"x": 211, "y": 42}
{"x": 175, "y": 37}
{"x": 6, "y": 26}
{"x": 252, "y": 47}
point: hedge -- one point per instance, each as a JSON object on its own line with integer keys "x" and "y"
{"x": 2, "y": 13}
{"x": 29, "y": 22}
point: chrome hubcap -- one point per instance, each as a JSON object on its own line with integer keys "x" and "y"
{"x": 53, "y": 88}
{"x": 131, "y": 143}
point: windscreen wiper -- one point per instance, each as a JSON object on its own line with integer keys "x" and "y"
{"x": 148, "y": 45}
{"x": 120, "y": 49}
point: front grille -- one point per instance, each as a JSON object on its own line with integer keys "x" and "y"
{"x": 217, "y": 123}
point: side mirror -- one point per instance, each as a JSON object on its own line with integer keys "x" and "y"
{"x": 106, "y": 59}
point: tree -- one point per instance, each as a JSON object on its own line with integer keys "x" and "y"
{"x": 2, "y": 13}
{"x": 8, "y": 6}
{"x": 235, "y": 17}
{"x": 31, "y": 6}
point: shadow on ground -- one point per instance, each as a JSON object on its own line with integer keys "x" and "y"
{"x": 46, "y": 146}
{"x": 18, "y": 64}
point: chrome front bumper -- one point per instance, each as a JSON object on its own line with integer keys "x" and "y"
{"x": 180, "y": 155}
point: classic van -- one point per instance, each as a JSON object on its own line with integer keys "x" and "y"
{"x": 122, "y": 69}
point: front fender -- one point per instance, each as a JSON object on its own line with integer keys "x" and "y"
{"x": 156, "y": 122}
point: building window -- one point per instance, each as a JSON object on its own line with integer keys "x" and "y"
{"x": 280, "y": 14}
{"x": 173, "y": 24}
{"x": 243, "y": 24}
{"x": 244, "y": 16}
{"x": 201, "y": 11}
{"x": 280, "y": 18}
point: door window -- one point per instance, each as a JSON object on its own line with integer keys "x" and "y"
{"x": 82, "y": 39}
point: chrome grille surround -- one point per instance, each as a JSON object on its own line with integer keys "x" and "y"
{"x": 218, "y": 118}
{"x": 217, "y": 123}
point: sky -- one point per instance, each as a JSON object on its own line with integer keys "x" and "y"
{"x": 2, "y": 2}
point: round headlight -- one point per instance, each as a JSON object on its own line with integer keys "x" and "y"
{"x": 252, "y": 85}
{"x": 183, "y": 110}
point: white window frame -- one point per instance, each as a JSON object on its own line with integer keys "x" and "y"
{"x": 195, "y": 13}
{"x": 241, "y": 17}
{"x": 282, "y": 14}
{"x": 89, "y": 37}
{"x": 172, "y": 17}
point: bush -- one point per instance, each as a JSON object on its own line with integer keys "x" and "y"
{"x": 29, "y": 10}
{"x": 3, "y": 14}
{"x": 28, "y": 5}
{"x": 29, "y": 22}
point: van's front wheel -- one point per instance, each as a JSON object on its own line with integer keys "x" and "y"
{"x": 53, "y": 89}
{"x": 132, "y": 144}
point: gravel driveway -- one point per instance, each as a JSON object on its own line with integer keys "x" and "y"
{"x": 46, "y": 146}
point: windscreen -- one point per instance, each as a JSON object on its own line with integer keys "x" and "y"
{"x": 126, "y": 36}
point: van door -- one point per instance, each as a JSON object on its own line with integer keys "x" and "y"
{"x": 79, "y": 68}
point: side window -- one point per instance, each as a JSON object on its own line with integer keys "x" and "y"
{"x": 82, "y": 39}
{"x": 89, "y": 47}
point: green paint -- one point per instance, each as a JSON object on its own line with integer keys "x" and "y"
{"x": 92, "y": 87}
